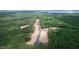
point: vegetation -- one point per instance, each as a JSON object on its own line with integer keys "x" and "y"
{"x": 66, "y": 37}
{"x": 11, "y": 36}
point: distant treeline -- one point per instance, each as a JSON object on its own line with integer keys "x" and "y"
{"x": 4, "y": 13}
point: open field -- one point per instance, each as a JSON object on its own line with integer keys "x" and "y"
{"x": 11, "y": 36}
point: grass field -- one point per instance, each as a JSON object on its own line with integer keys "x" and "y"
{"x": 11, "y": 36}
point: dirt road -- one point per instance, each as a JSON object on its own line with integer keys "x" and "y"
{"x": 44, "y": 36}
{"x": 39, "y": 35}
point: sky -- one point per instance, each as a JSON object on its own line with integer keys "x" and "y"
{"x": 64, "y": 11}
{"x": 39, "y": 4}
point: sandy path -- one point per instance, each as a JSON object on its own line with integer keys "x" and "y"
{"x": 38, "y": 34}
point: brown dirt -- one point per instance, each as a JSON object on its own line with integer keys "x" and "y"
{"x": 38, "y": 31}
{"x": 44, "y": 36}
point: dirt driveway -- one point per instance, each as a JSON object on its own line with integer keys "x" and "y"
{"x": 39, "y": 34}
